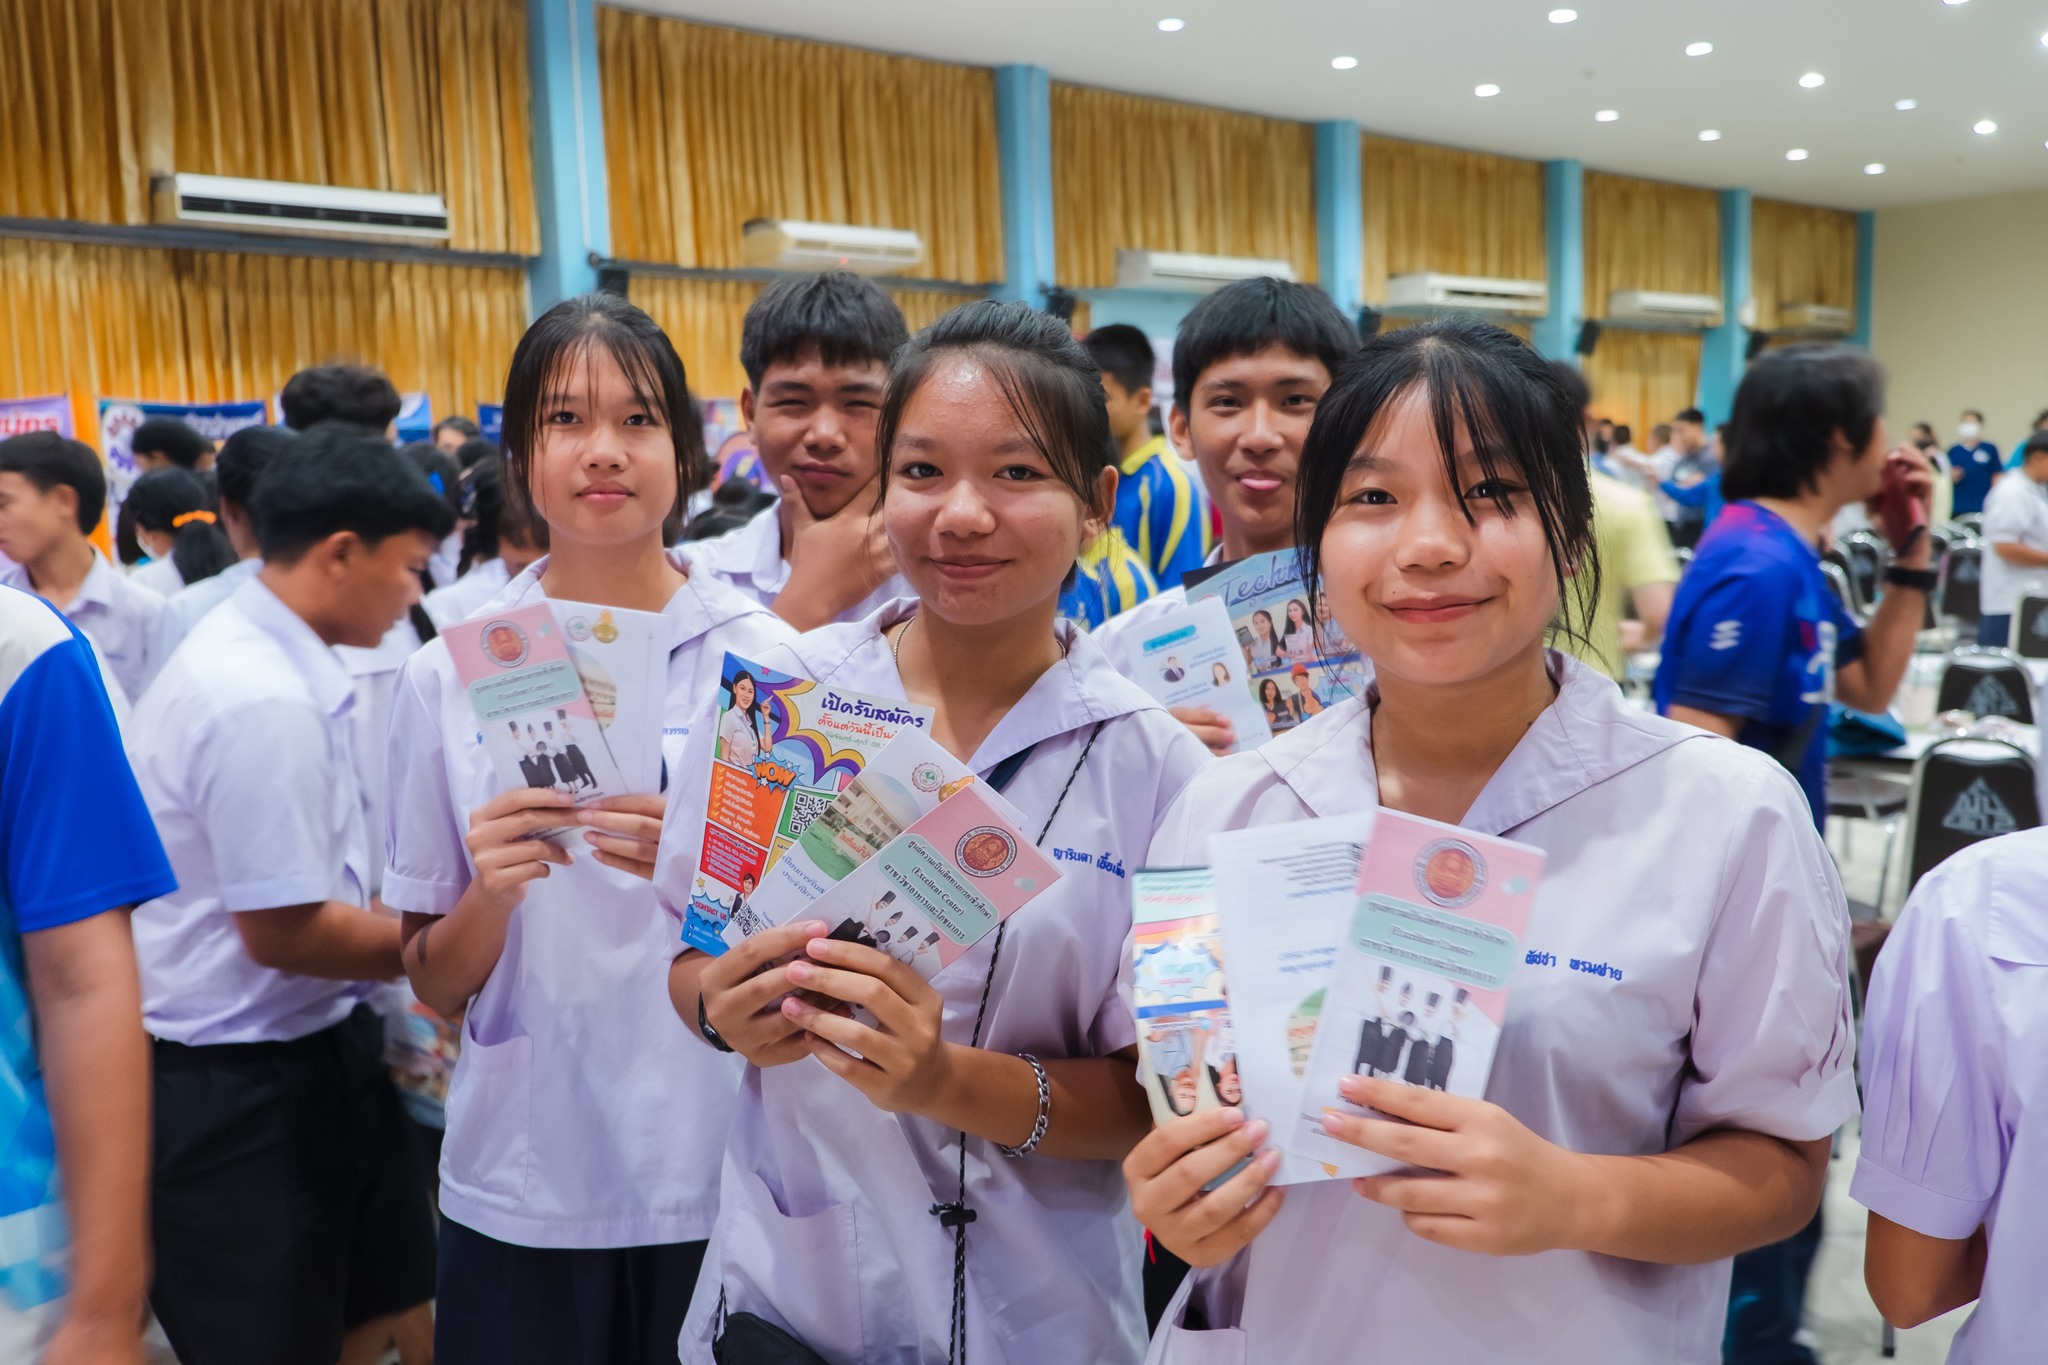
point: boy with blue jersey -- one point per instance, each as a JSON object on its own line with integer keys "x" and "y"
{"x": 1160, "y": 511}
{"x": 77, "y": 850}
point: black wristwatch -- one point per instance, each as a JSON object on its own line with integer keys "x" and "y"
{"x": 711, "y": 1035}
{"x": 1920, "y": 580}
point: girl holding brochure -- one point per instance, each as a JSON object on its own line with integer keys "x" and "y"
{"x": 1000, "y": 1095}
{"x": 1677, "y": 1048}
{"x": 578, "y": 1177}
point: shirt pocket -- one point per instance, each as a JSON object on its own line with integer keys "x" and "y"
{"x": 1181, "y": 1346}
{"x": 489, "y": 1145}
{"x": 801, "y": 1271}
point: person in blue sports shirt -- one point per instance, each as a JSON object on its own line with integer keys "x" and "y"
{"x": 1973, "y": 464}
{"x": 77, "y": 851}
{"x": 1160, "y": 511}
{"x": 1758, "y": 645}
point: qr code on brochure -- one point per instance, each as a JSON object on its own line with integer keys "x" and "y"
{"x": 804, "y": 807}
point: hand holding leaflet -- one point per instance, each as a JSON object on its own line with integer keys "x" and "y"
{"x": 1177, "y": 994}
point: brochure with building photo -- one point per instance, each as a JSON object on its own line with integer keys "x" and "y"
{"x": 1297, "y": 659}
{"x": 536, "y": 719}
{"x": 1421, "y": 983}
{"x": 784, "y": 748}
{"x": 1186, "y": 1051}
{"x": 1191, "y": 657}
{"x": 1283, "y": 896}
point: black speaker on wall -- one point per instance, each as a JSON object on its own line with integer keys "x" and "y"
{"x": 1758, "y": 341}
{"x": 1369, "y": 320}
{"x": 1060, "y": 304}
{"x": 1589, "y": 336}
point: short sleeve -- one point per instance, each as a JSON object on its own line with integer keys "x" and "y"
{"x": 267, "y": 791}
{"x": 1773, "y": 1050}
{"x": 1848, "y": 631}
{"x": 75, "y": 833}
{"x": 1731, "y": 646}
{"x": 1934, "y": 1145}
{"x": 1646, "y": 556}
{"x": 2005, "y": 520}
{"x": 427, "y": 865}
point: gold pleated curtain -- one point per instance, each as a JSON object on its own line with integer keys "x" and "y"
{"x": 1154, "y": 175}
{"x": 1449, "y": 211}
{"x": 1646, "y": 234}
{"x": 708, "y": 127}
{"x": 1643, "y": 378}
{"x": 1800, "y": 254}
{"x": 703, "y": 317}
{"x": 188, "y": 326}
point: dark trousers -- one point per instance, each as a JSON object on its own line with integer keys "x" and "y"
{"x": 511, "y": 1305}
{"x": 1767, "y": 1302}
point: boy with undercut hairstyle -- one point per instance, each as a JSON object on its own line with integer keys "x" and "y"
{"x": 257, "y": 971}
{"x": 1160, "y": 512}
{"x": 1250, "y": 363}
{"x": 816, "y": 350}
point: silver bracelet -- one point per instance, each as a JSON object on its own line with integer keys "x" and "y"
{"x": 1028, "y": 1145}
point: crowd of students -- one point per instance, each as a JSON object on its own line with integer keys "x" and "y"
{"x": 803, "y": 1150}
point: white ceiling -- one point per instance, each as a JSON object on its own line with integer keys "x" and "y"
{"x": 1419, "y": 61}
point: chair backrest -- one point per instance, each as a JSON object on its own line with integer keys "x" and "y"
{"x": 1960, "y": 570}
{"x": 1964, "y": 791}
{"x": 1867, "y": 556}
{"x": 1838, "y": 579}
{"x": 1972, "y": 522}
{"x": 2030, "y": 628}
{"x": 1986, "y": 682}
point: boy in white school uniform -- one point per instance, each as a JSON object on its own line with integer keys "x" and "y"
{"x": 255, "y": 972}
{"x": 52, "y": 493}
{"x": 816, "y": 351}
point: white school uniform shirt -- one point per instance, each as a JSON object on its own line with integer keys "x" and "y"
{"x": 750, "y": 558}
{"x": 244, "y": 754}
{"x": 160, "y": 576}
{"x": 1955, "y": 1070}
{"x": 466, "y": 596}
{"x": 824, "y": 1223}
{"x": 1685, "y": 969}
{"x": 582, "y": 1113}
{"x": 185, "y": 610}
{"x": 373, "y": 673}
{"x": 2015, "y": 512}
{"x": 114, "y": 613}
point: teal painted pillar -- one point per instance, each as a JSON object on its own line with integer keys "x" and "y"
{"x": 1723, "y": 352}
{"x": 1024, "y": 144}
{"x": 1866, "y": 277}
{"x": 1340, "y": 215}
{"x": 1556, "y": 333}
{"x": 569, "y": 185}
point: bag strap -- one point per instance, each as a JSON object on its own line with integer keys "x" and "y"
{"x": 957, "y": 1215}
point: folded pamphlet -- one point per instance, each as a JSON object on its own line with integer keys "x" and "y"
{"x": 1190, "y": 656}
{"x": 1186, "y": 1054}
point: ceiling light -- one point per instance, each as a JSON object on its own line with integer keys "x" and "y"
{"x": 1487, "y": 91}
{"x": 1710, "y": 135}
{"x": 1874, "y": 168}
{"x": 2044, "y": 40}
{"x": 1563, "y": 16}
{"x": 1955, "y": 2}
{"x": 1698, "y": 49}
{"x": 1983, "y": 127}
{"x": 1343, "y": 63}
{"x": 1172, "y": 25}
{"x": 1607, "y": 116}
{"x": 1796, "y": 154}
{"x": 1812, "y": 80}
{"x": 1903, "y": 105}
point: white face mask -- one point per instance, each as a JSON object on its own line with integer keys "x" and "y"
{"x": 1969, "y": 431}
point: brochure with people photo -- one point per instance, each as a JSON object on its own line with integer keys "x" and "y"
{"x": 784, "y": 749}
{"x": 1191, "y": 657}
{"x": 935, "y": 890}
{"x": 1187, "y": 1053}
{"x": 1283, "y": 895}
{"x": 531, "y": 708}
{"x": 1421, "y": 984}
{"x": 1296, "y": 657}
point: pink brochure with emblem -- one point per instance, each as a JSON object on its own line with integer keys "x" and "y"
{"x": 1421, "y": 983}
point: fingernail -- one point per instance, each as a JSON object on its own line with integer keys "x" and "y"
{"x": 798, "y": 971}
{"x": 1257, "y": 1129}
{"x": 1350, "y": 1087}
{"x": 1269, "y": 1161}
{"x": 1233, "y": 1117}
{"x": 815, "y": 928}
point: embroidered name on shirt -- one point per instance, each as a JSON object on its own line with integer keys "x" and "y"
{"x": 1536, "y": 957}
{"x": 1103, "y": 861}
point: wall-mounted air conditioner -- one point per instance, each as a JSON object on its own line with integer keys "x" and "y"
{"x": 1815, "y": 320}
{"x": 225, "y": 201}
{"x": 785, "y": 244}
{"x": 1651, "y": 309}
{"x": 1431, "y": 292}
{"x": 1182, "y": 273}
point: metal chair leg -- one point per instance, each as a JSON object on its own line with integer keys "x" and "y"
{"x": 1888, "y": 1345}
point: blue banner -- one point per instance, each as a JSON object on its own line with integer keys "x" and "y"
{"x": 490, "y": 420}
{"x": 415, "y": 417}
{"x": 120, "y": 416}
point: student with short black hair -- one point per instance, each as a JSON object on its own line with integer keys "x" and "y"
{"x": 1160, "y": 512}
{"x": 500, "y": 538}
{"x": 816, "y": 350}
{"x": 177, "y": 527}
{"x": 257, "y": 970}
{"x": 444, "y": 473}
{"x": 52, "y": 494}
{"x": 166, "y": 442}
{"x": 451, "y": 434}
{"x": 475, "y": 451}
{"x": 355, "y": 394}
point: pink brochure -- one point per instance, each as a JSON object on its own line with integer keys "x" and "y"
{"x": 1420, "y": 989}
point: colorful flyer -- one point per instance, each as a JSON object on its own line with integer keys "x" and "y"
{"x": 535, "y": 718}
{"x": 622, "y": 658}
{"x": 1190, "y": 657}
{"x": 1283, "y": 895}
{"x": 1420, "y": 989}
{"x": 1186, "y": 1053}
{"x": 935, "y": 890}
{"x": 1297, "y": 658}
{"x": 784, "y": 748}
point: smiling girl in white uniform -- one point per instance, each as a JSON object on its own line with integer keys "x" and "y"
{"x": 579, "y": 1174}
{"x": 1677, "y": 1047}
{"x": 998, "y": 467}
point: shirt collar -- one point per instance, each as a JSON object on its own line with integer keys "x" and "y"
{"x": 98, "y": 589}
{"x": 332, "y": 687}
{"x": 758, "y": 549}
{"x": 1135, "y": 461}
